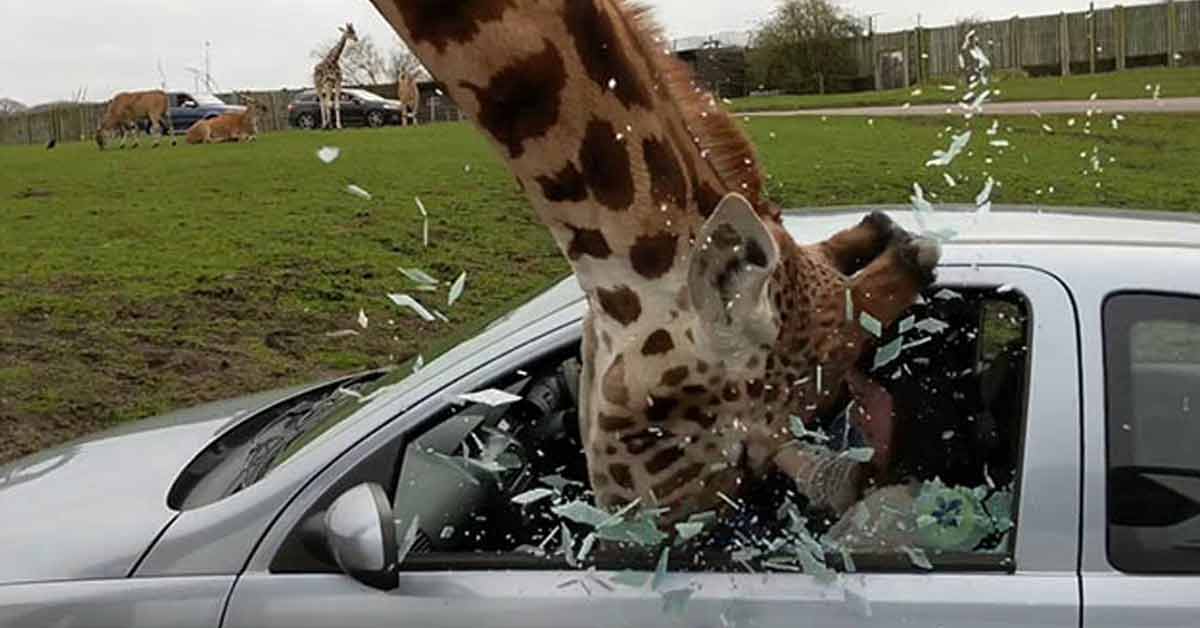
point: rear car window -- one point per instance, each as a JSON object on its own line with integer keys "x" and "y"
{"x": 1152, "y": 363}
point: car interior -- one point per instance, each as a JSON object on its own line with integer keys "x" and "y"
{"x": 959, "y": 391}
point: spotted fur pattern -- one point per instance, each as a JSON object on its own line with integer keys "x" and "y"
{"x": 327, "y": 79}
{"x": 708, "y": 328}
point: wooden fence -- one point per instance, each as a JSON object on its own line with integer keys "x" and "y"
{"x": 78, "y": 122}
{"x": 1067, "y": 43}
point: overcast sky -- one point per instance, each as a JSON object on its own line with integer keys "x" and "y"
{"x": 50, "y": 48}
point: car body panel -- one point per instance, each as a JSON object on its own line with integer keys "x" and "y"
{"x": 1114, "y": 599}
{"x": 127, "y": 471}
{"x": 1043, "y": 590}
{"x": 175, "y": 602}
{"x": 574, "y": 599}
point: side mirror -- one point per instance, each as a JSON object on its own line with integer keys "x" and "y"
{"x": 361, "y": 534}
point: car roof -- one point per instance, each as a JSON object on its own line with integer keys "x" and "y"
{"x": 1015, "y": 224}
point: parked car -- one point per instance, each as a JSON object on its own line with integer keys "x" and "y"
{"x": 1058, "y": 358}
{"x": 187, "y": 109}
{"x": 359, "y": 108}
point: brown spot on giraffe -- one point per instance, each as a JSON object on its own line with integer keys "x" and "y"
{"x": 663, "y": 460}
{"x": 441, "y": 22}
{"x": 621, "y": 475}
{"x": 658, "y": 343}
{"x": 566, "y": 185}
{"x": 590, "y": 242}
{"x": 674, "y": 377}
{"x": 667, "y": 184}
{"x": 700, "y": 417}
{"x": 522, "y": 100}
{"x": 613, "y": 385}
{"x": 605, "y": 163}
{"x": 615, "y": 423}
{"x": 640, "y": 443}
{"x": 653, "y": 256}
{"x": 661, "y": 408}
{"x": 604, "y": 58}
{"x": 679, "y": 480}
{"x": 621, "y": 303}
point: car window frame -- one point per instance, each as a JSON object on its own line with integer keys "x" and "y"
{"x": 965, "y": 278}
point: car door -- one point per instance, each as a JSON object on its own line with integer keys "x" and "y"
{"x": 1027, "y": 576}
{"x": 182, "y": 115}
{"x": 1142, "y": 561}
{"x": 352, "y": 109}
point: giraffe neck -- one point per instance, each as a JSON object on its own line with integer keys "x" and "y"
{"x": 620, "y": 155}
{"x": 331, "y": 59}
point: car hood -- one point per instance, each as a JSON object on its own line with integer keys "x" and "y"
{"x": 90, "y": 509}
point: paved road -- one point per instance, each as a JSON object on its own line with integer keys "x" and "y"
{"x": 1145, "y": 105}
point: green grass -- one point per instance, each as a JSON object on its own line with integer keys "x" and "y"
{"x": 843, "y": 161}
{"x": 135, "y": 282}
{"x": 1176, "y": 82}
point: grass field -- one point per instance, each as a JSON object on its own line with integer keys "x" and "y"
{"x": 136, "y": 282}
{"x": 1177, "y": 82}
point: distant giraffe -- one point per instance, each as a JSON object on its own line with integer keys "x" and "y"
{"x": 709, "y": 327}
{"x": 327, "y": 78}
{"x": 409, "y": 95}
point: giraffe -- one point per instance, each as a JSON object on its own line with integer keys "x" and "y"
{"x": 409, "y": 95}
{"x": 327, "y": 78}
{"x": 708, "y": 326}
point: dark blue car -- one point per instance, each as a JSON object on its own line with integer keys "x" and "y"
{"x": 187, "y": 109}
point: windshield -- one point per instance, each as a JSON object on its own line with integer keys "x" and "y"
{"x": 260, "y": 443}
{"x": 208, "y": 99}
{"x": 365, "y": 95}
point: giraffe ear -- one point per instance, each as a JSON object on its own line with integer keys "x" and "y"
{"x": 730, "y": 266}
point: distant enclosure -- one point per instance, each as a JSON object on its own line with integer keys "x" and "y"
{"x": 77, "y": 122}
{"x": 1102, "y": 40}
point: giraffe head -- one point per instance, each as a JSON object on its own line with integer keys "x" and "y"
{"x": 348, "y": 32}
{"x": 695, "y": 395}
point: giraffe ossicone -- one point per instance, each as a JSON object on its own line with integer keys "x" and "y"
{"x": 709, "y": 327}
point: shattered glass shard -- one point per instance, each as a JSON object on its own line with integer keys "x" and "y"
{"x": 492, "y": 397}
{"x": 581, "y": 512}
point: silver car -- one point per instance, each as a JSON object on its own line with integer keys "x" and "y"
{"x": 1050, "y": 393}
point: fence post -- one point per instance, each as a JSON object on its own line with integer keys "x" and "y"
{"x": 1014, "y": 35}
{"x": 1064, "y": 44}
{"x": 907, "y": 51}
{"x": 1172, "y": 41}
{"x": 1121, "y": 35}
{"x": 1092, "y": 38}
{"x": 875, "y": 69}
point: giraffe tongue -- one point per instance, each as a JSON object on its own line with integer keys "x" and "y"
{"x": 873, "y": 414}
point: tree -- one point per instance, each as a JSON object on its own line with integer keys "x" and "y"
{"x": 8, "y": 105}
{"x": 405, "y": 63}
{"x": 803, "y": 43}
{"x": 362, "y": 62}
